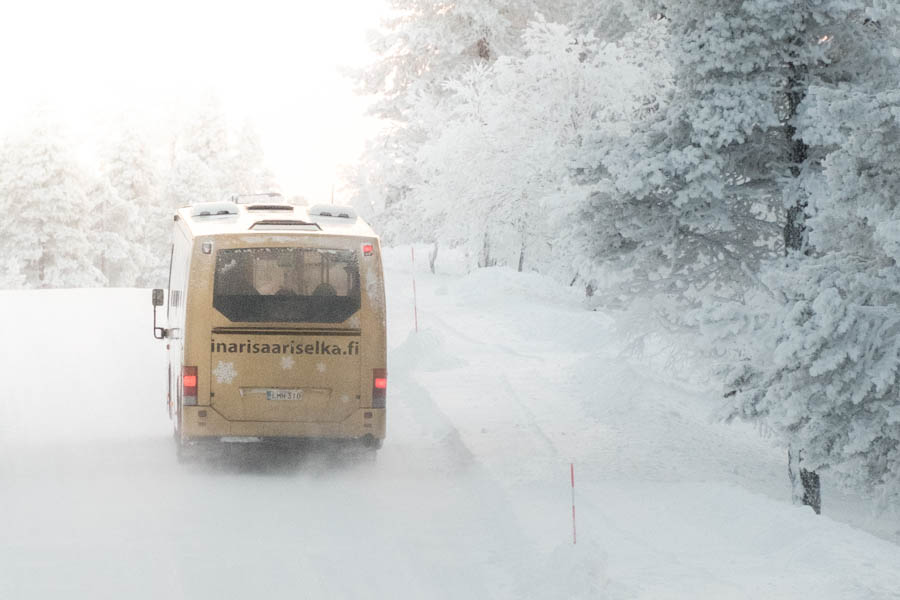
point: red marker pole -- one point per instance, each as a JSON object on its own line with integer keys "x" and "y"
{"x": 572, "y": 469}
{"x": 415, "y": 305}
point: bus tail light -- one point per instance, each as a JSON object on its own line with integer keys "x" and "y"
{"x": 379, "y": 388}
{"x": 189, "y": 386}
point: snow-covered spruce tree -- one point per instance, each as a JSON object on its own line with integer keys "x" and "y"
{"x": 17, "y": 246}
{"x": 205, "y": 137}
{"x": 608, "y": 20}
{"x": 107, "y": 220}
{"x": 246, "y": 172}
{"x": 190, "y": 180}
{"x": 44, "y": 195}
{"x": 11, "y": 276}
{"x": 200, "y": 161}
{"x": 685, "y": 200}
{"x": 209, "y": 161}
{"x": 134, "y": 225}
{"x": 820, "y": 361}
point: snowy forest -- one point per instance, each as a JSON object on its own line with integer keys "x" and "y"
{"x": 723, "y": 174}
{"x": 105, "y": 220}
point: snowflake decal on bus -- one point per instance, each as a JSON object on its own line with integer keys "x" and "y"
{"x": 287, "y": 362}
{"x": 225, "y": 372}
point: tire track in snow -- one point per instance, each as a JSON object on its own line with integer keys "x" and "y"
{"x": 512, "y": 551}
{"x": 533, "y": 425}
{"x": 445, "y": 325}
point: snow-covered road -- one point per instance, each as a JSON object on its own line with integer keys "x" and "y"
{"x": 507, "y": 382}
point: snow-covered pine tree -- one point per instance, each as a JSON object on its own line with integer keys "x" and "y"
{"x": 820, "y": 360}
{"x": 108, "y": 216}
{"x": 135, "y": 227}
{"x": 18, "y": 246}
{"x": 205, "y": 137}
{"x": 246, "y": 171}
{"x": 190, "y": 180}
{"x": 46, "y": 208}
{"x": 208, "y": 161}
{"x": 11, "y": 276}
{"x": 200, "y": 162}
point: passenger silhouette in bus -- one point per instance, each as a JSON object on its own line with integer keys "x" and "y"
{"x": 324, "y": 289}
{"x": 282, "y": 282}
{"x": 237, "y": 279}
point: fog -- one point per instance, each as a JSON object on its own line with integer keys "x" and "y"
{"x": 99, "y": 66}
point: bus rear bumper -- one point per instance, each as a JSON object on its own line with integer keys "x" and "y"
{"x": 203, "y": 422}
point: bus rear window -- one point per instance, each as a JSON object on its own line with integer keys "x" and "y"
{"x": 287, "y": 285}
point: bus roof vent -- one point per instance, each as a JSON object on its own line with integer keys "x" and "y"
{"x": 332, "y": 210}
{"x": 291, "y": 224}
{"x": 213, "y": 209}
{"x": 260, "y": 198}
{"x": 270, "y": 207}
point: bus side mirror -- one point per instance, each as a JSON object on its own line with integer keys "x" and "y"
{"x": 158, "y": 298}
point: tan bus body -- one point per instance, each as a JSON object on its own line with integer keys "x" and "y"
{"x": 276, "y": 325}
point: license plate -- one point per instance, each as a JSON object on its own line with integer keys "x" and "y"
{"x": 284, "y": 395}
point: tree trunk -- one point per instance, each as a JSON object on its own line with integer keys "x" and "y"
{"x": 522, "y": 227}
{"x": 795, "y": 229}
{"x": 41, "y": 270}
{"x": 483, "y": 48}
{"x": 523, "y": 234}
{"x": 795, "y": 226}
{"x": 812, "y": 490}
{"x": 795, "y": 240}
{"x": 806, "y": 488}
{"x": 796, "y": 489}
{"x": 432, "y": 257}
{"x": 485, "y": 259}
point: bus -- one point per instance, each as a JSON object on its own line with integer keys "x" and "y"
{"x": 275, "y": 325}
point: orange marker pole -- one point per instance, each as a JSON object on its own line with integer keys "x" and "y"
{"x": 572, "y": 469}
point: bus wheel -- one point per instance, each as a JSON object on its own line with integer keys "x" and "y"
{"x": 182, "y": 451}
{"x": 370, "y": 442}
{"x": 370, "y": 447}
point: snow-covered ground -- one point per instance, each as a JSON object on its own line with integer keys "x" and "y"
{"x": 508, "y": 381}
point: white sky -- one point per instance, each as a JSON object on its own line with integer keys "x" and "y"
{"x": 274, "y": 63}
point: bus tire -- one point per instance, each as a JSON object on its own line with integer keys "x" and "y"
{"x": 370, "y": 447}
{"x": 371, "y": 443}
{"x": 182, "y": 452}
